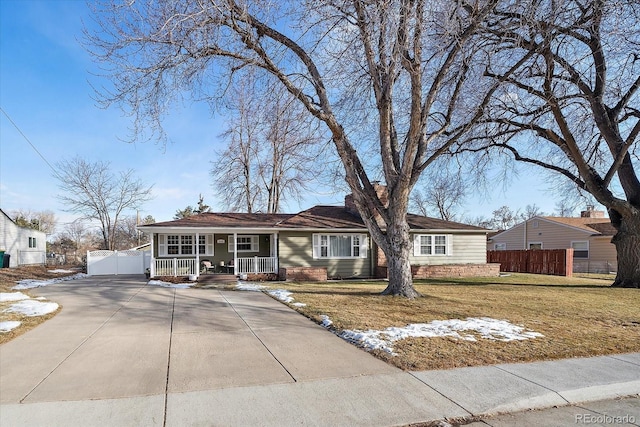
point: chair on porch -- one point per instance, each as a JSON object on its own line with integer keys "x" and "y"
{"x": 206, "y": 266}
{"x": 229, "y": 267}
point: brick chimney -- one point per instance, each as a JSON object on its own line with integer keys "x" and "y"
{"x": 591, "y": 212}
{"x": 381, "y": 191}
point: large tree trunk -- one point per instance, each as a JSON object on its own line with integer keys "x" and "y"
{"x": 399, "y": 268}
{"x": 627, "y": 242}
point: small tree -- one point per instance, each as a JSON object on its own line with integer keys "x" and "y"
{"x": 189, "y": 210}
{"x": 92, "y": 190}
{"x": 183, "y": 213}
{"x": 202, "y": 206}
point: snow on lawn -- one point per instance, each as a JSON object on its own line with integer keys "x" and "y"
{"x": 252, "y": 287}
{"x": 326, "y": 322}
{"x": 34, "y": 283}
{"x": 282, "y": 295}
{"x": 279, "y": 294}
{"x": 32, "y": 307}
{"x": 60, "y": 271}
{"x": 169, "y": 284}
{"x": 9, "y": 325}
{"x": 12, "y": 296}
{"x": 285, "y": 296}
{"x": 488, "y": 328}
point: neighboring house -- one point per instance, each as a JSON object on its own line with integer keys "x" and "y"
{"x": 589, "y": 236}
{"x": 318, "y": 243}
{"x": 24, "y": 245}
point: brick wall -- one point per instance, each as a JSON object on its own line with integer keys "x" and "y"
{"x": 304, "y": 274}
{"x": 448, "y": 270}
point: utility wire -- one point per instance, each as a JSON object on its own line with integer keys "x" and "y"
{"x": 30, "y": 143}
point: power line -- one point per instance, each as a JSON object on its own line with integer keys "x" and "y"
{"x": 30, "y": 143}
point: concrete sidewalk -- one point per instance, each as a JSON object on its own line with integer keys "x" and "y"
{"x": 121, "y": 353}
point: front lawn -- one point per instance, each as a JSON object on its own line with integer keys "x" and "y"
{"x": 8, "y": 295}
{"x": 577, "y": 316}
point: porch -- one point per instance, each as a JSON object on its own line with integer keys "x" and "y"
{"x": 195, "y": 266}
{"x": 203, "y": 251}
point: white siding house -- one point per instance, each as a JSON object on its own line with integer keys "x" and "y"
{"x": 24, "y": 245}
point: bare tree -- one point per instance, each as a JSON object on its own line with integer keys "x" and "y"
{"x": 570, "y": 104}
{"x": 43, "y": 220}
{"x": 564, "y": 208}
{"x": 409, "y": 68}
{"x": 504, "y": 217}
{"x": 127, "y": 234}
{"x": 92, "y": 190}
{"x": 443, "y": 196}
{"x": 76, "y": 232}
{"x": 272, "y": 149}
{"x": 530, "y": 211}
{"x": 233, "y": 172}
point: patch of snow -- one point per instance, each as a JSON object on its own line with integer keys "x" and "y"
{"x": 326, "y": 322}
{"x": 282, "y": 295}
{"x": 370, "y": 340}
{"x": 9, "y": 325}
{"x": 488, "y": 328}
{"x": 33, "y": 283}
{"x": 59, "y": 270}
{"x": 299, "y": 304}
{"x": 169, "y": 284}
{"x": 12, "y": 296}
{"x": 31, "y": 307}
{"x": 252, "y": 287}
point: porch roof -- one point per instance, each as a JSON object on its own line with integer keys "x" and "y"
{"x": 319, "y": 217}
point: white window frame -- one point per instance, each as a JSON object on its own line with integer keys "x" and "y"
{"x": 582, "y": 250}
{"x": 205, "y": 244}
{"x": 529, "y": 244}
{"x": 32, "y": 243}
{"x": 500, "y": 246}
{"x": 322, "y": 241}
{"x": 183, "y": 241}
{"x": 251, "y": 239}
{"x": 428, "y": 245}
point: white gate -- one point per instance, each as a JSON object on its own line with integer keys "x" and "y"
{"x": 116, "y": 262}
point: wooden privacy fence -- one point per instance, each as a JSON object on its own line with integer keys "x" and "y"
{"x": 556, "y": 262}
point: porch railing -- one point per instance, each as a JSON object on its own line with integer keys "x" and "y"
{"x": 257, "y": 265}
{"x": 187, "y": 266}
{"x": 175, "y": 267}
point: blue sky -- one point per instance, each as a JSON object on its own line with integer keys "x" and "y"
{"x": 45, "y": 90}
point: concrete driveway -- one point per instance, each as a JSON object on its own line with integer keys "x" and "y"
{"x": 124, "y": 353}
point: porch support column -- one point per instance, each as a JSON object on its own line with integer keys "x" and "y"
{"x": 235, "y": 253}
{"x": 197, "y": 248}
{"x": 152, "y": 264}
{"x": 274, "y": 252}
